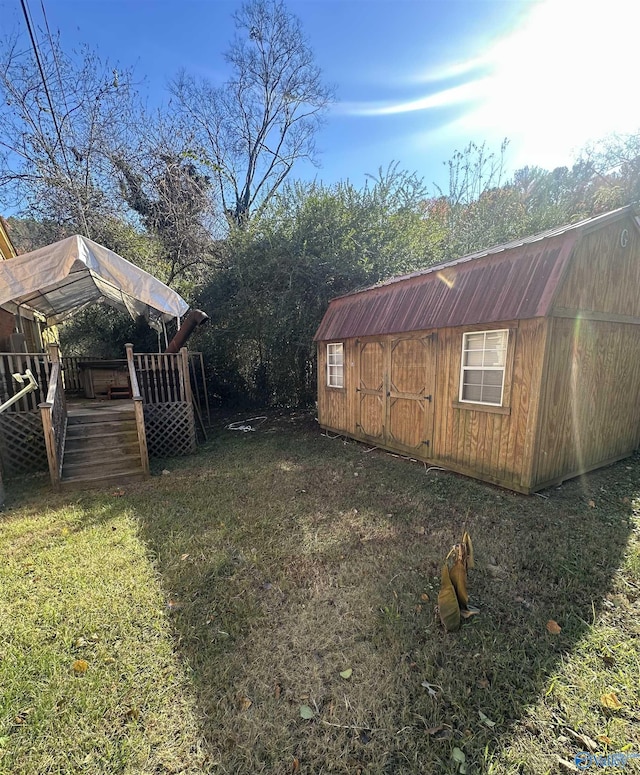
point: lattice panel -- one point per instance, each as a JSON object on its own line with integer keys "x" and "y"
{"x": 22, "y": 447}
{"x": 170, "y": 429}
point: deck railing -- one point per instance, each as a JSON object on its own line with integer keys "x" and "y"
{"x": 139, "y": 410}
{"x": 162, "y": 377}
{"x": 12, "y": 363}
{"x": 71, "y": 372}
{"x": 54, "y": 418}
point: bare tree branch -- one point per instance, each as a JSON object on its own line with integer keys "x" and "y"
{"x": 274, "y": 99}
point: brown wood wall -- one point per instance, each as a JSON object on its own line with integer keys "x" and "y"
{"x": 572, "y": 387}
{"x": 496, "y": 446}
{"x": 335, "y": 408}
{"x": 591, "y": 400}
{"x": 603, "y": 275}
{"x": 591, "y": 393}
{"x": 493, "y": 446}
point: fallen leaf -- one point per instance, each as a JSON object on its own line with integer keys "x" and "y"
{"x": 483, "y": 683}
{"x": 458, "y": 756}
{"x": 608, "y": 659}
{"x": 424, "y": 597}
{"x": 431, "y": 688}
{"x": 80, "y": 666}
{"x": 486, "y": 720}
{"x": 605, "y": 739}
{"x": 184, "y": 556}
{"x": 295, "y": 765}
{"x": 80, "y": 642}
{"x": 610, "y": 701}
{"x": 277, "y": 691}
{"x": 585, "y": 741}
{"x": 306, "y": 712}
{"x": 346, "y": 674}
{"x": 592, "y": 504}
{"x": 245, "y": 703}
{"x": 448, "y": 606}
{"x": 553, "y": 627}
{"x": 567, "y": 766}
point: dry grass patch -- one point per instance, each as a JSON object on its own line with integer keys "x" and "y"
{"x": 286, "y": 558}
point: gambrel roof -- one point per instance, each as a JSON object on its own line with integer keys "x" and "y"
{"x": 516, "y": 280}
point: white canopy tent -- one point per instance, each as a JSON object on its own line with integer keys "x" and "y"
{"x": 62, "y": 278}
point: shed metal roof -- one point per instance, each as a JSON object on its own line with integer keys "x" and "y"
{"x": 516, "y": 280}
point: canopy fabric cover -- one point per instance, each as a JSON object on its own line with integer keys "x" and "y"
{"x": 62, "y": 278}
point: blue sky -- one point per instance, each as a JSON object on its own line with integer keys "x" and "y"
{"x": 415, "y": 79}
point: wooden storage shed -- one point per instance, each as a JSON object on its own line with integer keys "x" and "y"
{"x": 518, "y": 365}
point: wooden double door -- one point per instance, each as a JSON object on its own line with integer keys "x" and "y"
{"x": 395, "y": 402}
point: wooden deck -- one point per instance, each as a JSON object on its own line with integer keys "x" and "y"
{"x": 106, "y": 439}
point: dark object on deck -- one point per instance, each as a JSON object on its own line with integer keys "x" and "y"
{"x": 99, "y": 378}
{"x": 193, "y": 319}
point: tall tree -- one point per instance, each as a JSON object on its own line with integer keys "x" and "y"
{"x": 256, "y": 126}
{"x": 312, "y": 243}
{"x": 162, "y": 184}
{"x": 60, "y": 121}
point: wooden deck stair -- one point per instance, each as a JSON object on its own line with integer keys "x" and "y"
{"x": 101, "y": 447}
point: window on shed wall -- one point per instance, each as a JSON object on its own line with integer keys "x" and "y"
{"x": 335, "y": 365}
{"x": 483, "y": 363}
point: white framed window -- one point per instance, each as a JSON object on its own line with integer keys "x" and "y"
{"x": 335, "y": 365}
{"x": 484, "y": 355}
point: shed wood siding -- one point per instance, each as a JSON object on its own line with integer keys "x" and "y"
{"x": 591, "y": 403}
{"x": 603, "y": 276}
{"x": 570, "y": 299}
{"x": 333, "y": 402}
{"x": 494, "y": 446}
{"x": 401, "y": 393}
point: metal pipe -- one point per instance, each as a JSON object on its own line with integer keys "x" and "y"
{"x": 20, "y": 378}
{"x": 193, "y": 319}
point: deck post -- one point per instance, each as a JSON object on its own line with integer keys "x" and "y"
{"x": 139, "y": 411}
{"x": 184, "y": 353}
{"x": 54, "y": 352}
{"x": 50, "y": 443}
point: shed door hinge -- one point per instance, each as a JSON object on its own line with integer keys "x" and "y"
{"x": 426, "y": 443}
{"x": 428, "y": 398}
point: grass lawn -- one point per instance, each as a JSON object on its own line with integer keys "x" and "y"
{"x": 210, "y": 604}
